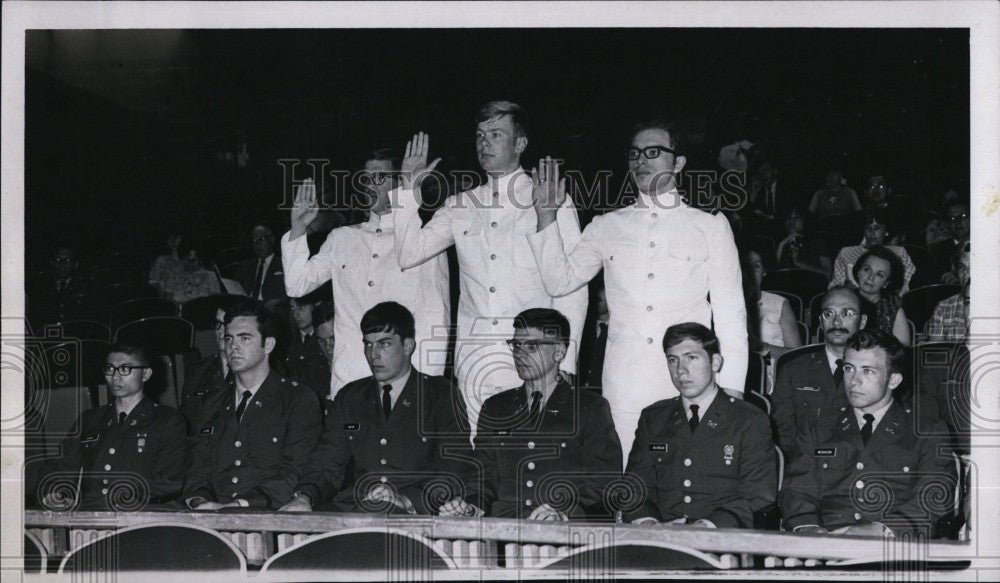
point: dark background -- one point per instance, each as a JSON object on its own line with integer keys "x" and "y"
{"x": 127, "y": 131}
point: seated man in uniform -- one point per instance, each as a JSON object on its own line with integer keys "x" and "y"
{"x": 705, "y": 458}
{"x": 251, "y": 447}
{"x": 535, "y": 440}
{"x": 323, "y": 316}
{"x": 404, "y": 430}
{"x": 304, "y": 358}
{"x": 205, "y": 377}
{"x": 868, "y": 450}
{"x": 132, "y": 450}
{"x": 811, "y": 381}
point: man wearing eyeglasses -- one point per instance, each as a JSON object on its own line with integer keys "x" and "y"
{"x": 957, "y": 222}
{"x": 206, "y": 377}
{"x": 257, "y": 438}
{"x": 487, "y": 225}
{"x": 662, "y": 259}
{"x": 123, "y": 455}
{"x": 262, "y": 278}
{"x": 361, "y": 263}
{"x": 66, "y": 294}
{"x": 547, "y": 449}
{"x": 812, "y": 382}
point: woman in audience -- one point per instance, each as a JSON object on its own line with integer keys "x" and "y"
{"x": 879, "y": 277}
{"x": 194, "y": 281}
{"x": 167, "y": 268}
{"x": 802, "y": 250}
{"x": 836, "y": 199}
{"x": 876, "y": 234}
{"x": 771, "y": 325}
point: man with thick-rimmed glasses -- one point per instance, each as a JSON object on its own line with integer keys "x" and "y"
{"x": 812, "y": 382}
{"x": 123, "y": 455}
{"x": 662, "y": 260}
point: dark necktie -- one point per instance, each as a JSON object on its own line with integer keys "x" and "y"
{"x": 243, "y": 405}
{"x": 258, "y": 279}
{"x": 866, "y": 429}
{"x": 693, "y": 421}
{"x": 602, "y": 332}
{"x": 838, "y": 375}
{"x": 386, "y": 400}
{"x": 121, "y": 418}
{"x": 536, "y": 405}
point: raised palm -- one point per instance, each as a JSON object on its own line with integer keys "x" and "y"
{"x": 414, "y": 167}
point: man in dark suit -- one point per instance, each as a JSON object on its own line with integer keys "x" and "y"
{"x": 547, "y": 451}
{"x": 404, "y": 430}
{"x": 263, "y": 278}
{"x": 705, "y": 457}
{"x": 594, "y": 339}
{"x": 124, "y": 454}
{"x": 863, "y": 468}
{"x": 811, "y": 382}
{"x": 250, "y": 449}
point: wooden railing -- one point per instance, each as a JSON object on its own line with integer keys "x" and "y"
{"x": 487, "y": 543}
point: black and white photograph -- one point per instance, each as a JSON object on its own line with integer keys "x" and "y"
{"x": 328, "y": 291}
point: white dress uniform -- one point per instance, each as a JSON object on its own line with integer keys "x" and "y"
{"x": 661, "y": 259}
{"x": 498, "y": 274}
{"x": 361, "y": 263}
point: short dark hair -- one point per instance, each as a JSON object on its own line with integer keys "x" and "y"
{"x": 547, "y": 320}
{"x": 385, "y": 153}
{"x": 895, "y": 282}
{"x": 691, "y": 331}
{"x": 867, "y": 338}
{"x": 323, "y": 313}
{"x": 134, "y": 350}
{"x": 500, "y": 108}
{"x": 267, "y": 323}
{"x": 391, "y": 318}
{"x": 843, "y": 289}
{"x": 667, "y": 125}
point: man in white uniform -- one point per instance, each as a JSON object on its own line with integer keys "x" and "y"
{"x": 487, "y": 225}
{"x": 360, "y": 261}
{"x": 661, "y": 260}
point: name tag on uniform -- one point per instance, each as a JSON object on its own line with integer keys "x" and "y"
{"x": 503, "y": 432}
{"x": 90, "y": 438}
{"x": 352, "y": 426}
{"x": 207, "y": 430}
{"x": 811, "y": 389}
{"x": 825, "y": 452}
{"x": 657, "y": 447}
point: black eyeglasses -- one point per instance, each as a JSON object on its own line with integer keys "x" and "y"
{"x": 62, "y": 259}
{"x": 219, "y": 324}
{"x": 960, "y": 217}
{"x": 651, "y": 152}
{"x": 263, "y": 238}
{"x": 529, "y": 346}
{"x": 123, "y": 370}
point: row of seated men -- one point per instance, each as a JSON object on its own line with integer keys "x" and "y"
{"x": 542, "y": 451}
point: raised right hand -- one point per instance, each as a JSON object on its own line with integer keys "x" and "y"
{"x": 414, "y": 167}
{"x": 305, "y": 208}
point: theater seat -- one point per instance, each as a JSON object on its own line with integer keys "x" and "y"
{"x": 158, "y": 335}
{"x": 603, "y": 558}
{"x": 35, "y": 556}
{"x": 360, "y": 549}
{"x": 139, "y": 308}
{"x": 800, "y": 282}
{"x": 158, "y": 548}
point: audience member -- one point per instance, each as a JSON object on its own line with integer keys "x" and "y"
{"x": 942, "y": 252}
{"x": 950, "y": 320}
{"x": 877, "y": 194}
{"x": 205, "y": 377}
{"x": 66, "y": 294}
{"x": 193, "y": 281}
{"x": 876, "y": 234}
{"x": 772, "y": 326}
{"x": 836, "y": 199}
{"x": 304, "y": 359}
{"x": 802, "y": 249}
{"x": 879, "y": 274}
{"x": 262, "y": 277}
{"x": 168, "y": 267}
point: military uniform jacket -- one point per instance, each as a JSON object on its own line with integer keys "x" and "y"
{"x": 204, "y": 383}
{"x": 307, "y": 364}
{"x": 259, "y": 458}
{"x": 142, "y": 459}
{"x": 804, "y": 388}
{"x": 723, "y": 472}
{"x": 565, "y": 459}
{"x": 416, "y": 451}
{"x": 899, "y": 479}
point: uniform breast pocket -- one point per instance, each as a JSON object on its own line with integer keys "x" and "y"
{"x": 686, "y": 262}
{"x": 468, "y": 242}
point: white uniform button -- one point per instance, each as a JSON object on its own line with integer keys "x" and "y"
{"x": 563, "y": 444}
{"x": 238, "y": 463}
{"x": 650, "y": 276}
{"x": 371, "y": 283}
{"x": 531, "y": 445}
{"x": 528, "y": 502}
{"x": 378, "y": 231}
{"x": 649, "y": 341}
{"x": 906, "y": 468}
{"x": 652, "y": 243}
{"x": 687, "y": 461}
{"x": 493, "y": 290}
{"x": 111, "y": 451}
{"x": 687, "y": 499}
{"x": 495, "y": 322}
{"x": 687, "y": 483}
{"x": 859, "y": 484}
{"x": 493, "y": 224}
{"x": 238, "y": 444}
{"x": 529, "y": 484}
{"x": 860, "y": 466}
{"x": 654, "y": 215}
{"x": 104, "y": 481}
{"x": 383, "y": 441}
{"x": 374, "y": 255}
{"x": 531, "y": 465}
{"x": 235, "y": 480}
{"x": 383, "y": 461}
{"x": 107, "y": 467}
{"x": 383, "y": 479}
{"x": 104, "y": 491}
{"x": 824, "y": 465}
{"x": 493, "y": 256}
{"x": 649, "y": 308}
{"x": 857, "y": 516}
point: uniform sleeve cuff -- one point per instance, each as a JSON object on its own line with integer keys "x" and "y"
{"x": 257, "y": 498}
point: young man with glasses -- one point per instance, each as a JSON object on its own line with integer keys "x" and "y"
{"x": 539, "y": 441}
{"x": 957, "y": 222}
{"x": 661, "y": 259}
{"x": 262, "y": 278}
{"x": 123, "y": 455}
{"x": 361, "y": 263}
{"x": 251, "y": 448}
{"x": 813, "y": 381}
{"x": 206, "y": 377}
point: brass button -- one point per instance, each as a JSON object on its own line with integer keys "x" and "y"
{"x": 495, "y": 322}
{"x": 860, "y": 466}
{"x": 859, "y": 484}
{"x": 529, "y": 484}
{"x": 531, "y": 445}
{"x": 687, "y": 461}
{"x": 235, "y": 479}
{"x": 528, "y": 502}
{"x": 493, "y": 224}
{"x": 493, "y": 256}
{"x": 531, "y": 465}
{"x": 104, "y": 491}
{"x": 379, "y": 231}
{"x": 383, "y": 479}
{"x": 687, "y": 499}
{"x": 371, "y": 284}
{"x": 383, "y": 461}
{"x": 654, "y": 215}
{"x": 111, "y": 451}
{"x": 238, "y": 444}
{"x": 857, "y": 516}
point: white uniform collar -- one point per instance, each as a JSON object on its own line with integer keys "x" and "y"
{"x": 670, "y": 200}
